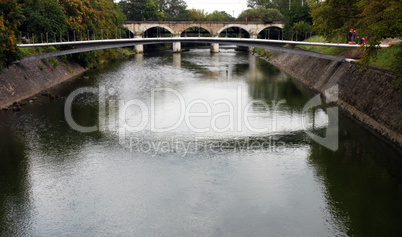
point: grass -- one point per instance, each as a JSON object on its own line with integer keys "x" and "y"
{"x": 322, "y": 49}
{"x": 36, "y": 50}
{"x": 385, "y": 57}
{"x": 41, "y": 67}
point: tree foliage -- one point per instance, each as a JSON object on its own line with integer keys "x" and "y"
{"x": 175, "y": 10}
{"x": 260, "y": 13}
{"x": 83, "y": 15}
{"x": 374, "y": 19}
{"x": 141, "y": 10}
{"x": 219, "y": 16}
{"x": 297, "y": 13}
{"x": 43, "y": 16}
{"x": 281, "y": 5}
{"x": 10, "y": 19}
{"x": 196, "y": 15}
{"x": 332, "y": 17}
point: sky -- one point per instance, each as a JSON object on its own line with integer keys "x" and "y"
{"x": 229, "y": 6}
{"x": 221, "y": 5}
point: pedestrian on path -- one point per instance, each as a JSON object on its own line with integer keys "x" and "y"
{"x": 350, "y": 36}
{"x": 354, "y": 36}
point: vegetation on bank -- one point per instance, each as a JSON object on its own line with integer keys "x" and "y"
{"x": 19, "y": 20}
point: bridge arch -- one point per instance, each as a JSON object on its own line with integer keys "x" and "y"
{"x": 147, "y": 27}
{"x": 232, "y": 26}
{"x": 183, "y": 29}
{"x": 270, "y": 32}
{"x": 202, "y": 29}
{"x": 156, "y": 31}
{"x": 236, "y": 30}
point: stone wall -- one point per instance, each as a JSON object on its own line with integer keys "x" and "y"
{"x": 26, "y": 79}
{"x": 369, "y": 95}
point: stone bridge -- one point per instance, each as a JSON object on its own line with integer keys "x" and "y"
{"x": 176, "y": 28}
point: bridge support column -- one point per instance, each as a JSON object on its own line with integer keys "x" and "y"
{"x": 252, "y": 36}
{"x": 139, "y": 48}
{"x": 214, "y": 48}
{"x": 176, "y": 47}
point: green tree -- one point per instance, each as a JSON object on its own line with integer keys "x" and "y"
{"x": 43, "y": 16}
{"x": 260, "y": 13}
{"x": 281, "y": 5}
{"x": 374, "y": 19}
{"x": 297, "y": 13}
{"x": 333, "y": 17}
{"x": 301, "y": 27}
{"x": 140, "y": 10}
{"x": 220, "y": 16}
{"x": 175, "y": 10}
{"x": 196, "y": 15}
{"x": 10, "y": 19}
{"x": 83, "y": 15}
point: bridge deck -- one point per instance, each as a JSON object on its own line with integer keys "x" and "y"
{"x": 237, "y": 41}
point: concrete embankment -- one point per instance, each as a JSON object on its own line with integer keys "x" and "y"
{"x": 26, "y": 79}
{"x": 369, "y": 95}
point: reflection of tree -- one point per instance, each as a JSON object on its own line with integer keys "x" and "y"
{"x": 267, "y": 83}
{"x": 14, "y": 184}
{"x": 361, "y": 185}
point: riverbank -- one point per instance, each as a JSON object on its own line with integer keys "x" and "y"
{"x": 369, "y": 96}
{"x": 26, "y": 79}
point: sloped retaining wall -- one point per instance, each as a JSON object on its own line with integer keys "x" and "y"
{"x": 26, "y": 79}
{"x": 369, "y": 96}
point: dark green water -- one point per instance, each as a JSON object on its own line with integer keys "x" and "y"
{"x": 208, "y": 176}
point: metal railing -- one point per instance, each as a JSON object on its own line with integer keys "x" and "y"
{"x": 123, "y": 33}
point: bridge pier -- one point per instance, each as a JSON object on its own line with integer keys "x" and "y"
{"x": 252, "y": 36}
{"x": 176, "y": 47}
{"x": 139, "y": 48}
{"x": 214, "y": 48}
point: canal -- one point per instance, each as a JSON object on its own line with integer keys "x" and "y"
{"x": 192, "y": 144}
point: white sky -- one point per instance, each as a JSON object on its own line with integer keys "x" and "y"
{"x": 221, "y": 5}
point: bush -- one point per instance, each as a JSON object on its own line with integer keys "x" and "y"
{"x": 54, "y": 62}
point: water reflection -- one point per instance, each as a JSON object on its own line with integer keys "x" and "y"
{"x": 57, "y": 181}
{"x": 359, "y": 182}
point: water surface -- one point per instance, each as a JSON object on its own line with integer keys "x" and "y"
{"x": 229, "y": 180}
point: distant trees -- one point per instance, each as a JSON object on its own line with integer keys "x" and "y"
{"x": 260, "y": 13}
{"x": 141, "y": 10}
{"x": 199, "y": 15}
{"x": 175, "y": 10}
{"x": 219, "y": 16}
{"x": 196, "y": 15}
{"x": 170, "y": 10}
{"x": 154, "y": 10}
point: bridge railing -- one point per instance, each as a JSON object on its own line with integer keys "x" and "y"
{"x": 123, "y": 33}
{"x": 71, "y": 36}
